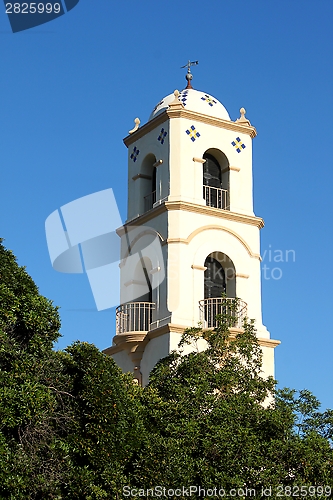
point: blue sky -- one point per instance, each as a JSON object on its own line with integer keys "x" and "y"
{"x": 70, "y": 90}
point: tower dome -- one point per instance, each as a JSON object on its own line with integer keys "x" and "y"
{"x": 194, "y": 100}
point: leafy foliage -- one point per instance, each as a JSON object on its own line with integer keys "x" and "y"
{"x": 72, "y": 426}
{"x": 215, "y": 421}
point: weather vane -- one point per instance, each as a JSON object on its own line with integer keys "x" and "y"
{"x": 189, "y": 75}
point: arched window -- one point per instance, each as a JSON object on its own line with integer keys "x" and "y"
{"x": 139, "y": 313}
{"x": 211, "y": 172}
{"x": 215, "y": 194}
{"x": 142, "y": 281}
{"x": 214, "y": 279}
{"x": 153, "y": 186}
{"x": 148, "y": 182}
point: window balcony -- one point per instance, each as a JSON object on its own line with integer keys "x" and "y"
{"x": 134, "y": 317}
{"x": 149, "y": 201}
{"x": 235, "y": 311}
{"x": 216, "y": 197}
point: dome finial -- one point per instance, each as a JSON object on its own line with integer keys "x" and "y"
{"x": 137, "y": 124}
{"x": 189, "y": 75}
{"x": 242, "y": 118}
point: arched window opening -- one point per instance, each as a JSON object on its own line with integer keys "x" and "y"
{"x": 137, "y": 313}
{"x": 150, "y": 198}
{"x": 212, "y": 171}
{"x": 214, "y": 279}
{"x": 220, "y": 292}
{"x": 147, "y": 184}
{"x": 153, "y": 187}
{"x": 143, "y": 307}
{"x": 215, "y": 183}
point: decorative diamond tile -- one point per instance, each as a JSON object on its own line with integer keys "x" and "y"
{"x": 162, "y": 136}
{"x": 135, "y": 154}
{"x": 192, "y": 132}
{"x": 183, "y": 97}
{"x": 209, "y": 100}
{"x": 237, "y": 143}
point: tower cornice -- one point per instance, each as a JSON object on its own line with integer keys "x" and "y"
{"x": 191, "y": 115}
{"x": 134, "y": 342}
{"x": 167, "y": 206}
{"x": 217, "y": 212}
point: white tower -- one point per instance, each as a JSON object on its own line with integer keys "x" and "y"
{"x": 195, "y": 236}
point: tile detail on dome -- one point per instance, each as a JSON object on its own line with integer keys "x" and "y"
{"x": 162, "y": 136}
{"x": 209, "y": 100}
{"x": 183, "y": 97}
{"x": 192, "y": 133}
{"x": 237, "y": 143}
{"x": 135, "y": 154}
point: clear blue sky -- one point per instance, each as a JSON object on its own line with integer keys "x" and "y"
{"x": 71, "y": 88}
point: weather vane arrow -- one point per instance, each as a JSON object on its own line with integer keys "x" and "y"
{"x": 189, "y": 75}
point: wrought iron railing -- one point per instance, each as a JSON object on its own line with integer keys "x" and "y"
{"x": 233, "y": 310}
{"x": 216, "y": 197}
{"x": 134, "y": 317}
{"x": 149, "y": 200}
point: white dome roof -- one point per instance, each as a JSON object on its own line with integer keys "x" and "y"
{"x": 194, "y": 100}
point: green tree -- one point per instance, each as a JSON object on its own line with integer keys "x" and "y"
{"x": 70, "y": 421}
{"x": 107, "y": 427}
{"x": 74, "y": 427}
{"x": 214, "y": 421}
{"x": 31, "y": 400}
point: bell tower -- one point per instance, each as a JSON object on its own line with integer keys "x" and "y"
{"x": 191, "y": 234}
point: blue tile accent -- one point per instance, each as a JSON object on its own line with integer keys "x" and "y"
{"x": 162, "y": 136}
{"x": 193, "y": 133}
{"x": 183, "y": 97}
{"x": 209, "y": 100}
{"x": 135, "y": 154}
{"x": 237, "y": 143}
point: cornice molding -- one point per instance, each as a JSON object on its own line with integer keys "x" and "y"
{"x": 268, "y": 342}
{"x": 217, "y": 212}
{"x": 167, "y": 206}
{"x": 138, "y": 340}
{"x": 217, "y": 122}
{"x": 147, "y": 127}
{"x": 190, "y": 115}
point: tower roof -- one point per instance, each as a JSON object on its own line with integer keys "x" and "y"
{"x": 194, "y": 100}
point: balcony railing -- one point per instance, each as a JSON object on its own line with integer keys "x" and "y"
{"x": 216, "y": 197}
{"x": 134, "y": 317}
{"x": 149, "y": 200}
{"x": 234, "y": 311}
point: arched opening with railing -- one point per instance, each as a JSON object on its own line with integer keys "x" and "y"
{"x": 216, "y": 179}
{"x": 220, "y": 292}
{"x": 137, "y": 315}
{"x": 148, "y": 182}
